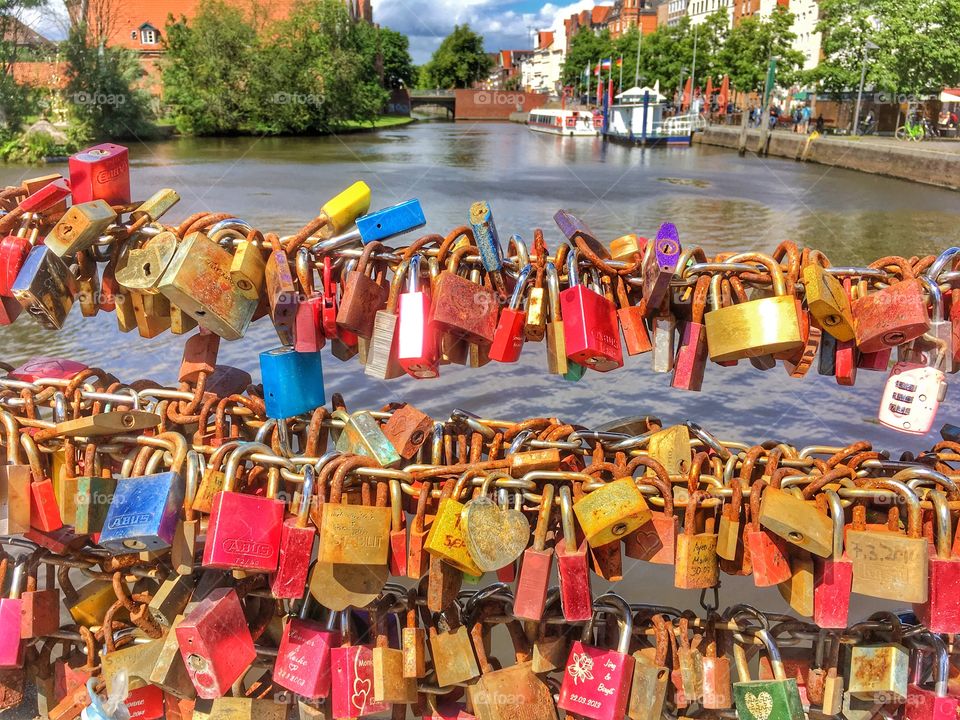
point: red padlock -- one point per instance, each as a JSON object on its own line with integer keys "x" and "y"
{"x": 656, "y": 540}
{"x": 692, "y": 355}
{"x": 941, "y": 612}
{"x": 589, "y": 323}
{"x": 215, "y": 643}
{"x": 531, "y": 596}
{"x": 40, "y": 608}
{"x": 11, "y": 644}
{"x": 303, "y": 658}
{"x": 46, "y": 367}
{"x": 892, "y": 316}
{"x": 938, "y": 703}
{"x": 308, "y": 336}
{"x": 596, "y": 681}
{"x": 509, "y": 335}
{"x": 145, "y": 703}
{"x": 576, "y": 596}
{"x": 768, "y": 552}
{"x": 398, "y": 531}
{"x": 46, "y": 197}
{"x": 351, "y": 691}
{"x": 13, "y": 253}
{"x": 244, "y": 530}
{"x": 297, "y": 537}
{"x": 101, "y": 172}
{"x": 417, "y": 350}
{"x": 329, "y": 309}
{"x": 833, "y": 576}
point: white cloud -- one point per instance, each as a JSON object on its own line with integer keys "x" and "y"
{"x": 427, "y": 22}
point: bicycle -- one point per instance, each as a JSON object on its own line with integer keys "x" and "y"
{"x": 912, "y": 130}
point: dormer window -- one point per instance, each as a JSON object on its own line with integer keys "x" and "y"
{"x": 149, "y": 35}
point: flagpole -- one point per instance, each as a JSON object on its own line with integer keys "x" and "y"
{"x": 589, "y": 70}
{"x": 621, "y": 73}
{"x": 636, "y": 75}
{"x": 693, "y": 66}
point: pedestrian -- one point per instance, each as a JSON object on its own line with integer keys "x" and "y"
{"x": 820, "y": 123}
{"x": 805, "y": 119}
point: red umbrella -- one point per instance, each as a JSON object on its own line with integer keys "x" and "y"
{"x": 724, "y": 97}
{"x": 685, "y": 102}
{"x": 709, "y": 91}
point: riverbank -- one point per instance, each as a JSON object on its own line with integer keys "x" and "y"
{"x": 929, "y": 162}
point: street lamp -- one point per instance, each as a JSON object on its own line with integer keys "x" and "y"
{"x": 868, "y": 46}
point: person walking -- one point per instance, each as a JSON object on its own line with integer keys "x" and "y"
{"x": 805, "y": 119}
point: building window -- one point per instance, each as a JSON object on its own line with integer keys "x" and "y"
{"x": 133, "y": 34}
{"x": 148, "y": 36}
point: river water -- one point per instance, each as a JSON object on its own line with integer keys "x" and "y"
{"x": 717, "y": 200}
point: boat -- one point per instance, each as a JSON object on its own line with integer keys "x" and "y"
{"x": 637, "y": 118}
{"x": 575, "y": 123}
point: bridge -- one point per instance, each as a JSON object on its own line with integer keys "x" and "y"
{"x": 446, "y": 99}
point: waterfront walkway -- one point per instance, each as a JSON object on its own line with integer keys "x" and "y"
{"x": 933, "y": 162}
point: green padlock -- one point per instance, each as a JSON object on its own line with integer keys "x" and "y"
{"x": 776, "y": 699}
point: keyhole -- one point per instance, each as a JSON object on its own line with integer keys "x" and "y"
{"x": 146, "y": 270}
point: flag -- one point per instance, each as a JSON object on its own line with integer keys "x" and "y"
{"x": 620, "y": 62}
{"x": 606, "y": 64}
{"x": 600, "y": 92}
{"x": 586, "y": 70}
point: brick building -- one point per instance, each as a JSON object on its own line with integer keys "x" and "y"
{"x": 595, "y": 20}
{"x": 507, "y": 65}
{"x": 627, "y": 14}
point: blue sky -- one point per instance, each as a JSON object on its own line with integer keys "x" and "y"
{"x": 503, "y": 23}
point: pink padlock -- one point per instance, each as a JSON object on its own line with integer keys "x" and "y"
{"x": 596, "y": 681}
{"x": 303, "y": 659}
{"x": 833, "y": 576}
{"x": 941, "y": 612}
{"x": 351, "y": 687}
{"x": 938, "y": 703}
{"x": 576, "y": 596}
{"x": 11, "y": 644}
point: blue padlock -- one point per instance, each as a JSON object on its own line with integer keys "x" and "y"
{"x": 486, "y": 236}
{"x": 292, "y": 382}
{"x": 143, "y": 514}
{"x": 391, "y": 221}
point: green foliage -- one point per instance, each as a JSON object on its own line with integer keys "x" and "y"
{"x": 16, "y": 101}
{"x": 752, "y": 43}
{"x": 311, "y": 73}
{"x": 35, "y": 148}
{"x": 102, "y": 89}
{"x": 586, "y": 49}
{"x": 918, "y": 50}
{"x": 459, "y": 62}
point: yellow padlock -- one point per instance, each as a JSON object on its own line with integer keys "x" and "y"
{"x": 612, "y": 511}
{"x": 447, "y": 539}
{"x": 757, "y": 327}
{"x": 345, "y": 208}
{"x": 828, "y": 302}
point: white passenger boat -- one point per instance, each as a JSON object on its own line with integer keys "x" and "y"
{"x": 564, "y": 122}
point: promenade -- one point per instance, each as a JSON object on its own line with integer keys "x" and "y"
{"x": 933, "y": 162}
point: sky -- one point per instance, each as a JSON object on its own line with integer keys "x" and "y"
{"x": 503, "y": 23}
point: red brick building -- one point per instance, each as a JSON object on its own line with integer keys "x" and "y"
{"x": 628, "y": 14}
{"x": 506, "y": 65}
{"x": 595, "y": 20}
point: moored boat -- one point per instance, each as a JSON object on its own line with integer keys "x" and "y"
{"x": 564, "y": 122}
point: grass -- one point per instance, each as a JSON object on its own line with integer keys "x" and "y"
{"x": 384, "y": 121}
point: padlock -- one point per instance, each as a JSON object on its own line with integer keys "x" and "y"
{"x": 912, "y": 395}
{"x": 382, "y": 224}
{"x": 413, "y": 640}
{"x": 417, "y": 557}
{"x": 487, "y": 240}
{"x": 101, "y": 172}
{"x": 941, "y": 612}
{"x": 144, "y": 511}
{"x": 303, "y": 658}
{"x": 576, "y": 596}
{"x": 88, "y": 605}
{"x": 697, "y": 565}
{"x": 636, "y": 337}
{"x": 939, "y": 338}
{"x": 40, "y": 608}
{"x": 730, "y": 541}
{"x": 351, "y": 691}
{"x": 889, "y": 317}
{"x": 170, "y": 671}
{"x": 936, "y": 703}
{"x": 416, "y": 338}
{"x": 462, "y": 307}
{"x": 308, "y": 334}
{"x": 142, "y": 268}
{"x": 648, "y": 692}
{"x": 690, "y": 662}
{"x": 537, "y": 564}
{"x": 889, "y": 565}
{"x": 626, "y": 246}
{"x": 407, "y": 430}
{"x": 757, "y": 327}
{"x": 453, "y": 656}
{"x": 354, "y": 534}
{"x": 590, "y": 329}
{"x": 11, "y": 608}
{"x": 496, "y": 534}
{"x": 382, "y": 362}
{"x": 156, "y": 206}
{"x": 691, "y": 359}
{"x": 596, "y": 681}
{"x": 659, "y": 265}
{"x": 390, "y": 684}
{"x": 446, "y": 539}
{"x": 244, "y": 531}
{"x": 879, "y": 671}
{"x": 215, "y": 643}
{"x": 292, "y": 382}
{"x": 37, "y": 493}
{"x": 833, "y": 576}
{"x": 656, "y": 541}
{"x": 171, "y": 599}
{"x": 363, "y": 296}
{"x": 46, "y": 195}
{"x": 45, "y": 288}
{"x": 768, "y": 552}
{"x": 80, "y": 227}
{"x": 510, "y": 334}
{"x": 612, "y": 512}
{"x": 14, "y": 250}
{"x": 828, "y": 302}
{"x": 557, "y": 363}
{"x": 717, "y": 690}
{"x": 778, "y": 699}
{"x": 361, "y": 435}
{"x": 198, "y": 281}
{"x": 669, "y": 448}
{"x": 297, "y": 538}
{"x": 795, "y": 520}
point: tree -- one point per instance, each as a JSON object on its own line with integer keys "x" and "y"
{"x": 459, "y": 62}
{"x": 14, "y": 98}
{"x": 750, "y": 45}
{"x": 586, "y": 49}
{"x": 917, "y": 47}
{"x": 398, "y": 67}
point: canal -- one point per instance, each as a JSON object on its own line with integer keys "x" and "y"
{"x": 717, "y": 200}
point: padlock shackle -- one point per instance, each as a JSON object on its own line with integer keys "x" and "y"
{"x": 544, "y": 513}
{"x": 918, "y": 475}
{"x": 306, "y": 495}
{"x": 936, "y": 298}
{"x": 942, "y": 261}
{"x": 573, "y": 267}
{"x": 396, "y": 506}
{"x": 567, "y": 522}
{"x": 516, "y": 245}
{"x": 943, "y": 524}
{"x": 242, "y": 451}
{"x": 914, "y": 512}
{"x": 304, "y": 268}
{"x": 517, "y": 297}
{"x": 837, "y": 517}
{"x": 552, "y": 282}
{"x": 624, "y": 615}
{"x": 773, "y": 267}
{"x": 12, "y": 442}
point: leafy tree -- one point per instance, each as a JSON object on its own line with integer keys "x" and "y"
{"x": 459, "y": 62}
{"x": 15, "y": 99}
{"x": 586, "y": 49}
{"x": 398, "y": 67}
{"x": 210, "y": 66}
{"x": 918, "y": 50}
{"x": 103, "y": 91}
{"x": 751, "y": 44}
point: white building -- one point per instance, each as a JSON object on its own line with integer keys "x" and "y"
{"x": 541, "y": 73}
{"x": 699, "y": 10}
{"x": 806, "y": 15}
